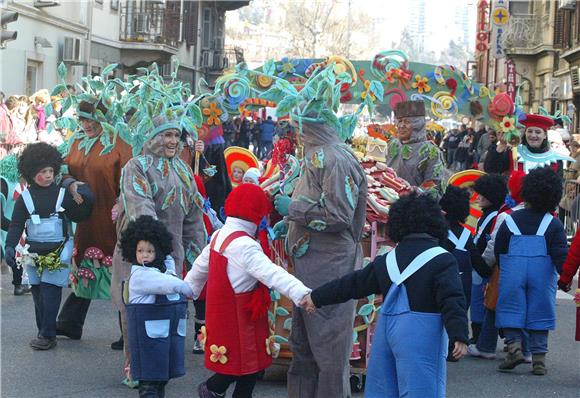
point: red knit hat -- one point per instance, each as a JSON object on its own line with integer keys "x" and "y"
{"x": 540, "y": 121}
{"x": 248, "y": 202}
{"x": 515, "y": 184}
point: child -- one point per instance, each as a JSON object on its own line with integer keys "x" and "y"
{"x": 41, "y": 210}
{"x": 421, "y": 286}
{"x": 530, "y": 247}
{"x": 238, "y": 275}
{"x": 156, "y": 309}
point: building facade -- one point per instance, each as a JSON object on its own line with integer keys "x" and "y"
{"x": 90, "y": 34}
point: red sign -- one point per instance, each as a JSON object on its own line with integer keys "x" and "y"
{"x": 482, "y": 33}
{"x": 511, "y": 78}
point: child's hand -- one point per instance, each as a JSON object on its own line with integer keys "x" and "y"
{"x": 73, "y": 191}
{"x": 115, "y": 212}
{"x": 459, "y": 350}
{"x": 307, "y": 304}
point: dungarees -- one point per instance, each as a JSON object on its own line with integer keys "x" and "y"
{"x": 463, "y": 258}
{"x": 477, "y": 282}
{"x": 527, "y": 281}
{"x": 47, "y": 230}
{"x": 157, "y": 338}
{"x": 409, "y": 348}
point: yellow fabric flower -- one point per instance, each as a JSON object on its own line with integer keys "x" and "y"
{"x": 213, "y": 114}
{"x": 202, "y": 337}
{"x": 363, "y": 95}
{"x": 421, "y": 84}
{"x": 272, "y": 348}
{"x": 218, "y": 354}
{"x": 507, "y": 124}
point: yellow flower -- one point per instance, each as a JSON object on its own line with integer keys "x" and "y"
{"x": 363, "y": 95}
{"x": 218, "y": 354}
{"x": 213, "y": 114}
{"x": 507, "y": 124}
{"x": 421, "y": 84}
{"x": 272, "y": 348}
{"x": 202, "y": 337}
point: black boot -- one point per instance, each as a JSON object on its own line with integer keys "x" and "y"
{"x": 36, "y": 297}
{"x": 148, "y": 389}
{"x": 475, "y": 331}
{"x": 20, "y": 290}
{"x": 118, "y": 345}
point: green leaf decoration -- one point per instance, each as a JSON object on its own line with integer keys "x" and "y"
{"x": 351, "y": 191}
{"x": 141, "y": 187}
{"x": 271, "y": 317}
{"x": 154, "y": 189}
{"x": 433, "y": 152}
{"x": 329, "y": 117}
{"x": 274, "y": 295}
{"x": 280, "y": 339}
{"x": 424, "y": 150}
{"x": 366, "y": 309}
{"x": 61, "y": 70}
{"x": 377, "y": 89}
{"x": 287, "y": 324}
{"x": 269, "y": 67}
{"x": 286, "y": 105}
{"x": 143, "y": 71}
{"x": 107, "y": 70}
{"x": 317, "y": 225}
{"x": 107, "y": 149}
{"x": 59, "y": 88}
{"x": 67, "y": 103}
{"x": 406, "y": 152}
{"x": 198, "y": 200}
{"x": 169, "y": 198}
{"x": 281, "y": 311}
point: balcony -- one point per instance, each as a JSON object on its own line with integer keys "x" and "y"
{"x": 524, "y": 35}
{"x": 217, "y": 59}
{"x": 154, "y": 27}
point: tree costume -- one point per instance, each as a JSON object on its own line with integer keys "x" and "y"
{"x": 417, "y": 160}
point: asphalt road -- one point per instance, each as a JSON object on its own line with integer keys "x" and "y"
{"x": 89, "y": 368}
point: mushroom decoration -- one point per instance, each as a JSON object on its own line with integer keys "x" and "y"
{"x": 85, "y": 274}
{"x": 73, "y": 279}
{"x": 108, "y": 261}
{"x": 95, "y": 254}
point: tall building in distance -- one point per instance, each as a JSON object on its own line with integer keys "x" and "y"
{"x": 416, "y": 24}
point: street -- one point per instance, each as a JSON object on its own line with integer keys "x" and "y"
{"x": 89, "y": 368}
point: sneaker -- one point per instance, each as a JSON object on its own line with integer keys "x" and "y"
{"x": 513, "y": 358}
{"x": 203, "y": 392}
{"x": 118, "y": 345}
{"x": 197, "y": 347}
{"x": 474, "y": 352}
{"x": 20, "y": 290}
{"x": 539, "y": 365}
{"x": 43, "y": 343}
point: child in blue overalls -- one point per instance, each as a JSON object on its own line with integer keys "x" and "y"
{"x": 420, "y": 283}
{"x": 459, "y": 242}
{"x": 530, "y": 247}
{"x": 156, "y": 306}
{"x": 42, "y": 210}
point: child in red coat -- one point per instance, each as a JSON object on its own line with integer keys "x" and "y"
{"x": 569, "y": 269}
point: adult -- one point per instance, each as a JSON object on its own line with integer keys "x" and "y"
{"x": 256, "y": 142}
{"x": 498, "y": 155}
{"x": 535, "y": 150}
{"x": 450, "y": 144}
{"x": 159, "y": 184}
{"x": 483, "y": 144}
{"x": 244, "y": 134}
{"x": 573, "y": 171}
{"x": 325, "y": 217}
{"x": 87, "y": 162}
{"x": 266, "y": 137}
{"x": 411, "y": 155}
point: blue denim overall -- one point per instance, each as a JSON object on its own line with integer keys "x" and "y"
{"x": 527, "y": 281}
{"x": 157, "y": 338}
{"x": 463, "y": 258}
{"x": 409, "y": 348}
{"x": 48, "y": 230}
{"x": 477, "y": 309}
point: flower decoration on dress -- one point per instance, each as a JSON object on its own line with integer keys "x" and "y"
{"x": 202, "y": 337}
{"x": 218, "y": 354}
{"x": 421, "y": 84}
{"x": 213, "y": 114}
{"x": 286, "y": 67}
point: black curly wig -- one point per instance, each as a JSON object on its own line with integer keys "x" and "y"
{"x": 36, "y": 157}
{"x": 455, "y": 204}
{"x": 542, "y": 189}
{"x": 413, "y": 214}
{"x": 493, "y": 187}
{"x": 146, "y": 228}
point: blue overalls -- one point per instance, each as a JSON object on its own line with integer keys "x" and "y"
{"x": 47, "y": 230}
{"x": 463, "y": 258}
{"x": 527, "y": 281}
{"x": 157, "y": 338}
{"x": 409, "y": 348}
{"x": 477, "y": 309}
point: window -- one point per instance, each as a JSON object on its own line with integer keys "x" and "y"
{"x": 206, "y": 34}
{"x": 33, "y": 76}
{"x": 190, "y": 22}
{"x": 519, "y": 7}
{"x": 114, "y": 5}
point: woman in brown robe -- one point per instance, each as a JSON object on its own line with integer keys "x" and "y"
{"x": 91, "y": 160}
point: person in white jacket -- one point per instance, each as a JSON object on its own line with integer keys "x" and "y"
{"x": 238, "y": 275}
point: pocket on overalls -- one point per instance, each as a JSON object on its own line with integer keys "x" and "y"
{"x": 182, "y": 327}
{"x": 157, "y": 329}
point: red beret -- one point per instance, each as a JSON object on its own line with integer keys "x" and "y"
{"x": 248, "y": 202}
{"x": 540, "y": 121}
{"x": 515, "y": 184}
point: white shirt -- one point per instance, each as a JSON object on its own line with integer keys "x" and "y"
{"x": 247, "y": 264}
{"x": 147, "y": 282}
{"x": 489, "y": 254}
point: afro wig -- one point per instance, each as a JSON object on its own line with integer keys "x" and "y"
{"x": 455, "y": 204}
{"x": 36, "y": 157}
{"x": 542, "y": 189}
{"x": 414, "y": 214}
{"x": 146, "y": 228}
{"x": 493, "y": 187}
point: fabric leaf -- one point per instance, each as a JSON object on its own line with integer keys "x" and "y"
{"x": 351, "y": 191}
{"x": 269, "y": 67}
{"x": 61, "y": 70}
{"x": 141, "y": 186}
{"x": 406, "y": 152}
{"x": 377, "y": 89}
{"x": 169, "y": 198}
{"x": 393, "y": 150}
{"x": 163, "y": 167}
